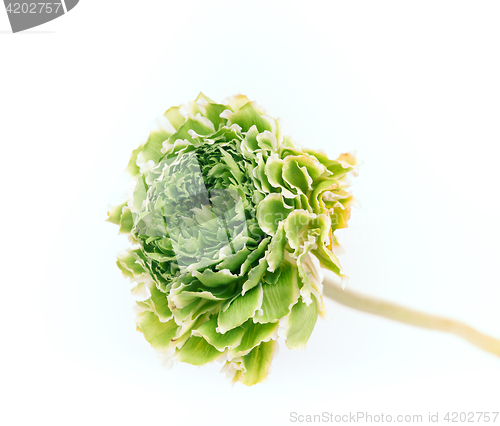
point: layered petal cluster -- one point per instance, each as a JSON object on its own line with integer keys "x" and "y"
{"x": 230, "y": 223}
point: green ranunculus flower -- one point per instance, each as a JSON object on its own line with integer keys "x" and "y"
{"x": 231, "y": 225}
{"x": 230, "y": 222}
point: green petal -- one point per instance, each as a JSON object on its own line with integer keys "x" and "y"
{"x": 199, "y": 125}
{"x": 195, "y": 309}
{"x": 241, "y": 308}
{"x": 261, "y": 174}
{"x": 184, "y": 334}
{"x": 272, "y": 277}
{"x": 267, "y": 141}
{"x": 174, "y": 117}
{"x": 296, "y": 176}
{"x": 151, "y": 150}
{"x": 254, "y": 335}
{"x": 213, "y": 112}
{"x": 215, "y": 279}
{"x": 220, "y": 341}
{"x": 229, "y": 160}
{"x": 234, "y": 261}
{"x": 185, "y": 298}
{"x": 254, "y": 255}
{"x": 314, "y": 168}
{"x": 247, "y": 116}
{"x": 126, "y": 221}
{"x": 328, "y": 260}
{"x": 157, "y": 333}
{"x": 128, "y": 264}
{"x": 250, "y": 144}
{"x": 301, "y": 323}
{"x": 277, "y": 248}
{"x": 322, "y": 185}
{"x": 160, "y": 305}
{"x": 115, "y": 213}
{"x": 337, "y": 168}
{"x": 235, "y": 102}
{"x": 139, "y": 195}
{"x": 342, "y": 214}
{"x": 278, "y": 298}
{"x": 257, "y": 363}
{"x": 271, "y": 211}
{"x": 255, "y": 275}
{"x": 274, "y": 173}
{"x": 305, "y": 290}
{"x": 132, "y": 168}
{"x": 197, "y": 351}
{"x": 294, "y": 226}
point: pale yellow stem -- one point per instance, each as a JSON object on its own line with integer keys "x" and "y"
{"x": 333, "y": 290}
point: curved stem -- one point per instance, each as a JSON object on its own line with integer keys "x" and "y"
{"x": 371, "y": 305}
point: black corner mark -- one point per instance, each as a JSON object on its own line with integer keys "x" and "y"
{"x": 70, "y": 4}
{"x": 28, "y": 14}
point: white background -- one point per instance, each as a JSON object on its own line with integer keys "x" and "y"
{"x": 413, "y": 87}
